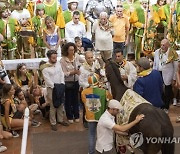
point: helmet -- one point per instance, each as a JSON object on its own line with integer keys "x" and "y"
{"x": 93, "y": 79}
{"x": 72, "y": 1}
{"x": 40, "y": 6}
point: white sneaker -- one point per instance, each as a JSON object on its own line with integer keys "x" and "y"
{"x": 71, "y": 121}
{"x": 3, "y": 148}
{"x": 174, "y": 101}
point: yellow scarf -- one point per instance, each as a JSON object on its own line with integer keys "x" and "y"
{"x": 88, "y": 67}
{"x": 145, "y": 72}
{"x": 172, "y": 56}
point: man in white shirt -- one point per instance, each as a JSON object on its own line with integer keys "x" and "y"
{"x": 88, "y": 68}
{"x": 53, "y": 74}
{"x": 166, "y": 62}
{"x": 106, "y": 127}
{"x": 74, "y": 28}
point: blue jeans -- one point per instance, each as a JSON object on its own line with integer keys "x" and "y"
{"x": 92, "y": 137}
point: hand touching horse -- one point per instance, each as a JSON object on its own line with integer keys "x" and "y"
{"x": 156, "y": 122}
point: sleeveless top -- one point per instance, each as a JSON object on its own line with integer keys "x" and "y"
{"x": 12, "y": 108}
{"x": 52, "y": 39}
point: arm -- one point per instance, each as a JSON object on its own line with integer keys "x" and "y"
{"x": 155, "y": 63}
{"x": 7, "y": 106}
{"x": 44, "y": 40}
{"x": 127, "y": 32}
{"x": 93, "y": 31}
{"x": 59, "y": 40}
{"x": 62, "y": 74}
{"x": 126, "y": 127}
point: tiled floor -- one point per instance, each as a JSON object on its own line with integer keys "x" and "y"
{"x": 14, "y": 144}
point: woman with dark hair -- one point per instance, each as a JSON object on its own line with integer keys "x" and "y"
{"x": 24, "y": 80}
{"x": 10, "y": 119}
{"x": 22, "y": 77}
{"x": 70, "y": 63}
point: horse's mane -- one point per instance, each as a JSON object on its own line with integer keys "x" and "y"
{"x": 116, "y": 70}
{"x": 114, "y": 77}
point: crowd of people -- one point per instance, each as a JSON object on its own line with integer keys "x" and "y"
{"x": 60, "y": 89}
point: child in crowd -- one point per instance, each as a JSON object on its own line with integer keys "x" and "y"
{"x": 78, "y": 43}
{"x": 21, "y": 103}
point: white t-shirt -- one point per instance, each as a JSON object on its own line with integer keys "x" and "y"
{"x": 105, "y": 133}
{"x": 73, "y": 30}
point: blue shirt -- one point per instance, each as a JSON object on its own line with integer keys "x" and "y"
{"x": 150, "y": 87}
{"x": 63, "y": 4}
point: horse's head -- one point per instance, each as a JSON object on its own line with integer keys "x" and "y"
{"x": 113, "y": 75}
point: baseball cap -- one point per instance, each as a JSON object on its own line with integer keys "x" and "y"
{"x": 114, "y": 104}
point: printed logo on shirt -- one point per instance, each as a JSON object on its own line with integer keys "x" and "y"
{"x": 93, "y": 102}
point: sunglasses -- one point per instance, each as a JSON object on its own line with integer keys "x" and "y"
{"x": 119, "y": 6}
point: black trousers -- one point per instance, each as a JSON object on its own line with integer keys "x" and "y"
{"x": 167, "y": 96}
{"x": 72, "y": 103}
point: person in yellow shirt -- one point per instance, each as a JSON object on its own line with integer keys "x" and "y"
{"x": 121, "y": 26}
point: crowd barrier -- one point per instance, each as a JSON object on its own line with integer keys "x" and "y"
{"x": 30, "y": 63}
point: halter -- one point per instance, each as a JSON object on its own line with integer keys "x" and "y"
{"x": 114, "y": 69}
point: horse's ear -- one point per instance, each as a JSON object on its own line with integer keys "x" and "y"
{"x": 108, "y": 61}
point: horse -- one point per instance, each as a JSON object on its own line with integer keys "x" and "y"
{"x": 156, "y": 122}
